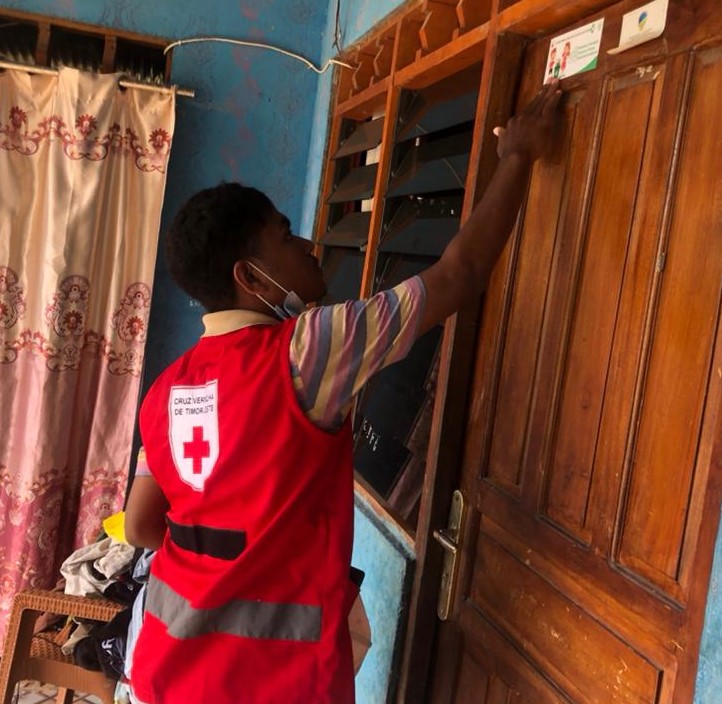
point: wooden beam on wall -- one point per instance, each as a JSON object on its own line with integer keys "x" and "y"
{"x": 363, "y": 105}
{"x": 391, "y": 114}
{"x": 472, "y": 13}
{"x": 531, "y": 17}
{"x": 457, "y": 55}
{"x": 329, "y": 169}
{"x": 41, "y": 48}
{"x": 109, "y": 48}
{"x": 85, "y": 28}
{"x": 439, "y": 26}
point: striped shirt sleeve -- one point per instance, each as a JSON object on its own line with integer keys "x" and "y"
{"x": 141, "y": 467}
{"x": 336, "y": 349}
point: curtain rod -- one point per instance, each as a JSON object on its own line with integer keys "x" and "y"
{"x": 12, "y": 66}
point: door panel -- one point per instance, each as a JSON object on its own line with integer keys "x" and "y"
{"x": 573, "y": 438}
{"x": 532, "y": 268}
{"x": 577, "y": 651}
{"x": 589, "y": 462}
{"x": 682, "y": 336}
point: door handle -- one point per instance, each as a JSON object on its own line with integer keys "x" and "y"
{"x": 448, "y": 538}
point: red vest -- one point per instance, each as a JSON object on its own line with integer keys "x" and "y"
{"x": 250, "y": 592}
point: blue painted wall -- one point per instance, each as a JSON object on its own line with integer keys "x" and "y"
{"x": 709, "y": 674}
{"x": 250, "y": 120}
{"x": 387, "y": 562}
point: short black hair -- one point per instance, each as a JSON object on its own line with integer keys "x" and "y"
{"x": 213, "y": 230}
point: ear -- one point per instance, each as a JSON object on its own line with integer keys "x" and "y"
{"x": 247, "y": 279}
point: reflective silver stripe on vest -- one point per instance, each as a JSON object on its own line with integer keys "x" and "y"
{"x": 249, "y": 619}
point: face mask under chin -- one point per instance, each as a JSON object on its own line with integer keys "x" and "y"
{"x": 292, "y": 305}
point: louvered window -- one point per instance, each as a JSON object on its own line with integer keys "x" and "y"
{"x": 350, "y": 204}
{"x": 422, "y": 211}
{"x": 18, "y": 40}
{"x": 49, "y": 42}
{"x": 401, "y": 144}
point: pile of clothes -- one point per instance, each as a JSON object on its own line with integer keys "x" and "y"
{"x": 114, "y": 570}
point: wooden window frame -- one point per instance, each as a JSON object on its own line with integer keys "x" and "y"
{"x": 419, "y": 44}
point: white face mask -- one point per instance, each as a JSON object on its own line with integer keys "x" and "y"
{"x": 292, "y": 305}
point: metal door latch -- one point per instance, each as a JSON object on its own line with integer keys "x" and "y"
{"x": 448, "y": 538}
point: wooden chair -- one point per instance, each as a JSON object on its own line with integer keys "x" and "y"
{"x": 38, "y": 657}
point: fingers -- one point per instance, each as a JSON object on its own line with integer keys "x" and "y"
{"x": 533, "y": 105}
{"x": 529, "y": 131}
{"x": 545, "y": 100}
{"x": 551, "y": 102}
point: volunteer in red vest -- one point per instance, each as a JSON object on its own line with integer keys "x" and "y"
{"x": 246, "y": 490}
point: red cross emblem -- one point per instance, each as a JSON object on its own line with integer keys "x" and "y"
{"x": 193, "y": 431}
{"x": 197, "y": 449}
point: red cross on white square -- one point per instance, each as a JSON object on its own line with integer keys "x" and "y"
{"x": 197, "y": 449}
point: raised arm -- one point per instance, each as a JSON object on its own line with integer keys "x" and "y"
{"x": 464, "y": 269}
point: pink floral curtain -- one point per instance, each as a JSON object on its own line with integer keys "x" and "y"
{"x": 82, "y": 174}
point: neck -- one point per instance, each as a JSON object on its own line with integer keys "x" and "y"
{"x": 245, "y": 301}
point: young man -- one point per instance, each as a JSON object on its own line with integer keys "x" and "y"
{"x": 248, "y": 489}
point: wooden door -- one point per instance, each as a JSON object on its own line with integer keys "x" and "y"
{"x": 592, "y": 465}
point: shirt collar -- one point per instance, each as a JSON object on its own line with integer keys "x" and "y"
{"x": 225, "y": 321}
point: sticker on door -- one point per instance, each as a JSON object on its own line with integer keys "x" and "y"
{"x": 574, "y": 52}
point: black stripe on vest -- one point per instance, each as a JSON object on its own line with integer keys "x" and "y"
{"x": 356, "y": 576}
{"x": 202, "y": 540}
{"x": 248, "y": 619}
